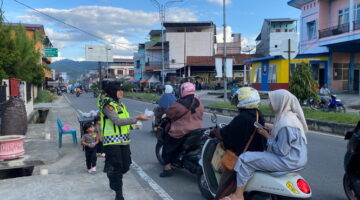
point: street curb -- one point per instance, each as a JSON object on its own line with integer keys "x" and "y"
{"x": 314, "y": 125}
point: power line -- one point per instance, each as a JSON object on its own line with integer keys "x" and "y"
{"x": 74, "y": 27}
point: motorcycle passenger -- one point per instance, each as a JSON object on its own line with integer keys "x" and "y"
{"x": 165, "y": 101}
{"x": 287, "y": 143}
{"x": 325, "y": 94}
{"x": 186, "y": 115}
{"x": 238, "y": 132}
{"x": 115, "y": 123}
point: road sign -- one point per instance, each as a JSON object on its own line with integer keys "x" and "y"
{"x": 98, "y": 53}
{"x": 51, "y": 52}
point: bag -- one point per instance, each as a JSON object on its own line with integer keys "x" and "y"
{"x": 230, "y": 158}
{"x": 218, "y": 154}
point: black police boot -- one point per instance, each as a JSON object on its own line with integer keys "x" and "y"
{"x": 119, "y": 196}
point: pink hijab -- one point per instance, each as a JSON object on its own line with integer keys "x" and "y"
{"x": 288, "y": 112}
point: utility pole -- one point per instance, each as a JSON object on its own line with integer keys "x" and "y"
{"x": 225, "y": 53}
{"x": 162, "y": 8}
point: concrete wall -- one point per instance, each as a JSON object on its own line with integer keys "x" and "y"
{"x": 277, "y": 40}
{"x": 197, "y": 44}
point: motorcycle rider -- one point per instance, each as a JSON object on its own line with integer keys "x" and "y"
{"x": 165, "y": 101}
{"x": 325, "y": 94}
{"x": 115, "y": 122}
{"x": 238, "y": 132}
{"x": 287, "y": 144}
{"x": 186, "y": 115}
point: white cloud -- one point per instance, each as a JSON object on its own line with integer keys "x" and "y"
{"x": 248, "y": 44}
{"x": 79, "y": 59}
{"x": 220, "y": 34}
{"x": 115, "y": 25}
{"x": 220, "y": 2}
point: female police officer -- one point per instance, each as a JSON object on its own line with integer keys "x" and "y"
{"x": 116, "y": 124}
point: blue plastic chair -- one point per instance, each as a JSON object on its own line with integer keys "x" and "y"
{"x": 61, "y": 132}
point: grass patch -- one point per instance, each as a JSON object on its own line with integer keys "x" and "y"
{"x": 345, "y": 118}
{"x": 45, "y": 96}
{"x": 149, "y": 96}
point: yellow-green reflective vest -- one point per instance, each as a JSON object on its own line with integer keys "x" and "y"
{"x": 114, "y": 134}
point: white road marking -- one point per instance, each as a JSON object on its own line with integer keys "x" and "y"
{"x": 157, "y": 188}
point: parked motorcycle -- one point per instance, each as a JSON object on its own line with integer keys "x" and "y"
{"x": 262, "y": 186}
{"x": 335, "y": 105}
{"x": 95, "y": 93}
{"x": 351, "y": 180}
{"x": 191, "y": 149}
{"x": 58, "y": 92}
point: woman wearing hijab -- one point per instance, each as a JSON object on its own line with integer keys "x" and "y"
{"x": 185, "y": 116}
{"x": 165, "y": 101}
{"x": 287, "y": 149}
{"x": 238, "y": 132}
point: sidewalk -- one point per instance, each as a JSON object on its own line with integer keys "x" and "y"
{"x": 68, "y": 177}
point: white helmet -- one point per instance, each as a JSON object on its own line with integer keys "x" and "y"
{"x": 248, "y": 98}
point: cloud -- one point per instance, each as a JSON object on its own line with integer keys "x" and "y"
{"x": 113, "y": 24}
{"x": 220, "y": 2}
{"x": 220, "y": 34}
{"x": 248, "y": 44}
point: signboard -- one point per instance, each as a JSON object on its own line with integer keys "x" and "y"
{"x": 218, "y": 67}
{"x": 228, "y": 67}
{"x": 98, "y": 53}
{"x": 51, "y": 52}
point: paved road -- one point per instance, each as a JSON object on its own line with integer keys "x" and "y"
{"x": 324, "y": 170}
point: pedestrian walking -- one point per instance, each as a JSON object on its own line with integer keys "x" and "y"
{"x": 116, "y": 124}
{"x": 90, "y": 139}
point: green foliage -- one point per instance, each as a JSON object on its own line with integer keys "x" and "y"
{"x": 18, "y": 56}
{"x": 302, "y": 84}
{"x": 149, "y": 96}
{"x": 127, "y": 87}
{"x": 45, "y": 96}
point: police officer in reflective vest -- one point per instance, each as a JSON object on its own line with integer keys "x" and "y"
{"x": 116, "y": 124}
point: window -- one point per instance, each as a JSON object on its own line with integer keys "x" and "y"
{"x": 357, "y": 13}
{"x": 343, "y": 16}
{"x": 131, "y": 72}
{"x": 120, "y": 72}
{"x": 257, "y": 75}
{"x": 293, "y": 67}
{"x": 272, "y": 74}
{"x": 341, "y": 71}
{"x": 311, "y": 28}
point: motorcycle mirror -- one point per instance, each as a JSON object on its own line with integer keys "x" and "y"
{"x": 214, "y": 118}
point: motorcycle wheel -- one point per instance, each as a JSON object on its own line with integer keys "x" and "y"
{"x": 340, "y": 109}
{"x": 349, "y": 190}
{"x": 77, "y": 94}
{"x": 203, "y": 186}
{"x": 158, "y": 152}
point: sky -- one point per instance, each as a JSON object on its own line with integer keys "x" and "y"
{"x": 125, "y": 23}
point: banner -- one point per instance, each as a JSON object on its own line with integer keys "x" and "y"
{"x": 218, "y": 67}
{"x": 229, "y": 67}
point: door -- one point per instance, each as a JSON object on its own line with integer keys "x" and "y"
{"x": 264, "y": 76}
{"x": 356, "y": 80}
{"x": 321, "y": 77}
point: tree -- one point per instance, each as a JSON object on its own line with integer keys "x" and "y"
{"x": 302, "y": 84}
{"x": 18, "y": 56}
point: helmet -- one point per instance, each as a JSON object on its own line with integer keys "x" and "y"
{"x": 248, "y": 98}
{"x": 187, "y": 89}
{"x": 168, "y": 89}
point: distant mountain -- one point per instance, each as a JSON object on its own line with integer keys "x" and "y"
{"x": 73, "y": 68}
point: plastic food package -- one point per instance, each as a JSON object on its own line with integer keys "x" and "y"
{"x": 138, "y": 125}
{"x": 148, "y": 113}
{"x": 66, "y": 128}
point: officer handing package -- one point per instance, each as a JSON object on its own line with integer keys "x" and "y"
{"x": 116, "y": 124}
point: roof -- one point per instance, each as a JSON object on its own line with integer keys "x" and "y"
{"x": 263, "y": 59}
{"x": 239, "y": 59}
{"x": 188, "y": 24}
{"x": 298, "y": 3}
{"x": 123, "y": 60}
{"x": 31, "y": 27}
{"x": 281, "y": 20}
{"x": 155, "y": 32}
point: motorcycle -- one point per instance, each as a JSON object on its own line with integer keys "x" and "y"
{"x": 351, "y": 180}
{"x": 59, "y": 92}
{"x": 191, "y": 149}
{"x": 95, "y": 93}
{"x": 335, "y": 105}
{"x": 78, "y": 94}
{"x": 262, "y": 186}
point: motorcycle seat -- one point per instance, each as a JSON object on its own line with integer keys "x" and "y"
{"x": 284, "y": 172}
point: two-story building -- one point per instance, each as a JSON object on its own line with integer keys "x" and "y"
{"x": 121, "y": 68}
{"x": 329, "y": 38}
{"x": 272, "y": 70}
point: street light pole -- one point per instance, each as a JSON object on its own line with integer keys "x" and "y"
{"x": 161, "y": 8}
{"x": 225, "y": 53}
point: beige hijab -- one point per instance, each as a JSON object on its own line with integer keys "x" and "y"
{"x": 288, "y": 112}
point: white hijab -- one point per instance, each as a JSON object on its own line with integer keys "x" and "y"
{"x": 288, "y": 112}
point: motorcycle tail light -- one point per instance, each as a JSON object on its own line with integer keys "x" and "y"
{"x": 303, "y": 186}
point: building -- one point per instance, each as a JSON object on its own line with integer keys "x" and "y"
{"x": 62, "y": 76}
{"x": 139, "y": 64}
{"x": 233, "y": 47}
{"x": 188, "y": 39}
{"x": 331, "y": 29}
{"x": 272, "y": 70}
{"x": 120, "y": 68}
